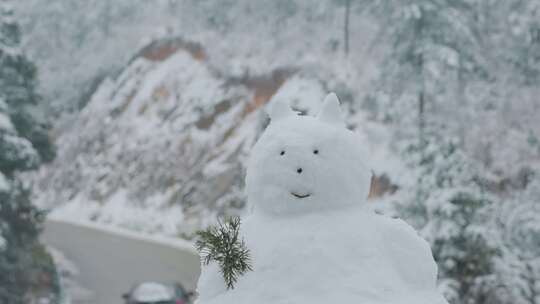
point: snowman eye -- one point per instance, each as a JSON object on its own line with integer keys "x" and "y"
{"x": 282, "y": 152}
{"x": 316, "y": 151}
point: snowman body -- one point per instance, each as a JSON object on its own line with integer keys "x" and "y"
{"x": 311, "y": 238}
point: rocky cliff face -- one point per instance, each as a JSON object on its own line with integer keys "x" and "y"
{"x": 162, "y": 146}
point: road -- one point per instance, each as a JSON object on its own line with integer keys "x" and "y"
{"x": 109, "y": 263}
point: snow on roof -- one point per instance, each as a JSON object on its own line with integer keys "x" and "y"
{"x": 152, "y": 292}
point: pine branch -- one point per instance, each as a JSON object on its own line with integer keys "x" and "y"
{"x": 221, "y": 244}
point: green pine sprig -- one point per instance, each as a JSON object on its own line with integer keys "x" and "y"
{"x": 221, "y": 244}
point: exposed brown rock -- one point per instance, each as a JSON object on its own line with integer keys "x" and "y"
{"x": 160, "y": 50}
{"x": 381, "y": 185}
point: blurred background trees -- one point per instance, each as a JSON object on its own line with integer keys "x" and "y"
{"x": 447, "y": 80}
{"x": 24, "y": 144}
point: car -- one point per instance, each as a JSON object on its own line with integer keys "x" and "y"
{"x": 157, "y": 293}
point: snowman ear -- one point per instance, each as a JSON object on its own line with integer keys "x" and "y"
{"x": 279, "y": 110}
{"x": 330, "y": 111}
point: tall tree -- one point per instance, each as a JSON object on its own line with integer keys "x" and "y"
{"x": 346, "y": 25}
{"x": 18, "y": 77}
{"x": 24, "y": 143}
{"x": 348, "y": 5}
{"x": 519, "y": 222}
{"x": 435, "y": 50}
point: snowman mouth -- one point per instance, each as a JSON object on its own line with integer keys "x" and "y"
{"x": 300, "y": 195}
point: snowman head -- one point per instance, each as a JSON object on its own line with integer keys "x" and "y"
{"x": 304, "y": 164}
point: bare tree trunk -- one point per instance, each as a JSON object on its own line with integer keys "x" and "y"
{"x": 421, "y": 126}
{"x": 421, "y": 87}
{"x": 106, "y": 26}
{"x": 346, "y": 26}
{"x": 421, "y": 107}
{"x": 462, "y": 102}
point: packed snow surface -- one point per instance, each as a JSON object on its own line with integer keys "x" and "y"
{"x": 312, "y": 237}
{"x": 152, "y": 292}
{"x": 301, "y": 163}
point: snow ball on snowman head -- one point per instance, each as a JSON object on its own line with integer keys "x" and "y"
{"x": 304, "y": 164}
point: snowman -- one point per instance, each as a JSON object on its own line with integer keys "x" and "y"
{"x": 311, "y": 236}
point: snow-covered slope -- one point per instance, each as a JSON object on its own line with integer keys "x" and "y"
{"x": 163, "y": 141}
{"x": 162, "y": 147}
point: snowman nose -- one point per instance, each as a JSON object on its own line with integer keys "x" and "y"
{"x": 299, "y": 170}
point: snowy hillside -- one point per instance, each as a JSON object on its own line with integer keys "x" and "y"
{"x": 162, "y": 147}
{"x": 196, "y": 100}
{"x": 77, "y": 44}
{"x": 162, "y": 142}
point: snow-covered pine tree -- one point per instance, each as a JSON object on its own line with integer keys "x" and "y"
{"x": 455, "y": 216}
{"x": 519, "y": 224}
{"x": 18, "y": 85}
{"x": 20, "y": 223}
{"x": 522, "y": 44}
{"x": 434, "y": 52}
{"x": 24, "y": 143}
